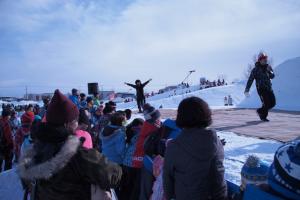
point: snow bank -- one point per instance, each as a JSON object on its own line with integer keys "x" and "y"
{"x": 286, "y": 87}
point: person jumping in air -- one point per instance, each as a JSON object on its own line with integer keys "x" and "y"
{"x": 262, "y": 73}
{"x": 140, "y": 97}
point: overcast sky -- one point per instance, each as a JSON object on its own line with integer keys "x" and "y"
{"x": 48, "y": 44}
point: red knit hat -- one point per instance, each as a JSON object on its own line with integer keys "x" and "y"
{"x": 61, "y": 110}
{"x": 27, "y": 118}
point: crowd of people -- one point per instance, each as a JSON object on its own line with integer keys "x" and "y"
{"x": 77, "y": 147}
{"x": 215, "y": 83}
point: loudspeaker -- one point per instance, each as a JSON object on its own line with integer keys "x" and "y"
{"x": 93, "y": 88}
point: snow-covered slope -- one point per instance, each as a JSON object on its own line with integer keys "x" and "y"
{"x": 214, "y": 97}
{"x": 286, "y": 87}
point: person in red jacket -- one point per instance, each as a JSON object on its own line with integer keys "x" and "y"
{"x": 6, "y": 141}
{"x": 26, "y": 121}
{"x": 152, "y": 123}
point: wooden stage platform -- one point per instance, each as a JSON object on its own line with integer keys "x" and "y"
{"x": 283, "y": 125}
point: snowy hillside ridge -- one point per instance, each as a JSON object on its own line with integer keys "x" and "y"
{"x": 214, "y": 96}
{"x": 286, "y": 86}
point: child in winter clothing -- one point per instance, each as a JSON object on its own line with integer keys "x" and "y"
{"x": 284, "y": 173}
{"x": 158, "y": 190}
{"x": 29, "y": 138}
{"x": 26, "y": 121}
{"x": 101, "y": 124}
{"x": 6, "y": 141}
{"x": 57, "y": 163}
{"x": 113, "y": 139}
{"x": 81, "y": 133}
{"x": 152, "y": 124}
{"x": 131, "y": 184}
{"x": 254, "y": 172}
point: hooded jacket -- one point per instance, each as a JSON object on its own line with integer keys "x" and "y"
{"x": 113, "y": 143}
{"x": 193, "y": 167}
{"x": 65, "y": 170}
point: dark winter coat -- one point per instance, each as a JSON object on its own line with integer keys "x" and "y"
{"x": 139, "y": 89}
{"x": 262, "y": 74}
{"x": 6, "y": 140}
{"x": 193, "y": 167}
{"x": 69, "y": 173}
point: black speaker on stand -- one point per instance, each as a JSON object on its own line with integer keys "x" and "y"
{"x": 93, "y": 88}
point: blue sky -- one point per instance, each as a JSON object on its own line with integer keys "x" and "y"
{"x": 48, "y": 44}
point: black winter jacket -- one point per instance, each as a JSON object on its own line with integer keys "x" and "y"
{"x": 193, "y": 167}
{"x": 262, "y": 75}
{"x": 139, "y": 89}
{"x": 68, "y": 175}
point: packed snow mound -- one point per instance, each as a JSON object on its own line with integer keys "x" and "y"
{"x": 213, "y": 96}
{"x": 286, "y": 86}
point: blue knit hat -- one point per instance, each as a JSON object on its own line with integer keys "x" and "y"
{"x": 254, "y": 171}
{"x": 284, "y": 174}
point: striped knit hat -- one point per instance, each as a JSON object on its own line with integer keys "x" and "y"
{"x": 284, "y": 174}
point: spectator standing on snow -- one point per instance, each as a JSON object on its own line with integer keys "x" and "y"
{"x": 96, "y": 99}
{"x": 230, "y": 101}
{"x": 225, "y": 101}
{"x": 6, "y": 141}
{"x": 193, "y": 167}
{"x": 262, "y": 74}
{"x": 152, "y": 124}
{"x": 113, "y": 139}
{"x": 43, "y": 110}
{"x": 82, "y": 129}
{"x": 82, "y": 100}
{"x": 140, "y": 96}
{"x": 26, "y": 121}
{"x": 58, "y": 164}
{"x": 15, "y": 122}
{"x": 131, "y": 184}
{"x": 75, "y": 97}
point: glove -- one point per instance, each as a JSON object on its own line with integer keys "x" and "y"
{"x": 247, "y": 94}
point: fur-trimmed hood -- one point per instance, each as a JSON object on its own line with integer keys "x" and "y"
{"x": 27, "y": 169}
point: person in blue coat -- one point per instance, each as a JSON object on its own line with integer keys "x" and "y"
{"x": 75, "y": 97}
{"x": 113, "y": 139}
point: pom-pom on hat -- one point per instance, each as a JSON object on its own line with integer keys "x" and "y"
{"x": 254, "y": 171}
{"x": 284, "y": 173}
